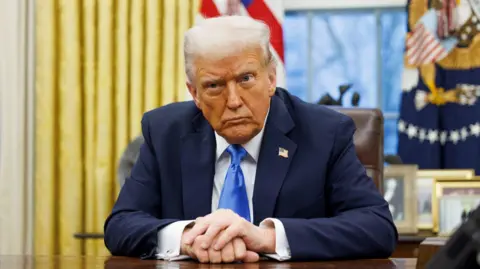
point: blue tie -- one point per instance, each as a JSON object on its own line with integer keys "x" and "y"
{"x": 234, "y": 193}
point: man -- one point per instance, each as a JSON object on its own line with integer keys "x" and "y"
{"x": 246, "y": 169}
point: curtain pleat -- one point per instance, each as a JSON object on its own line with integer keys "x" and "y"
{"x": 46, "y": 130}
{"x": 137, "y": 65}
{"x": 70, "y": 190}
{"x": 183, "y": 23}
{"x": 152, "y": 50}
{"x": 168, "y": 76}
{"x": 122, "y": 78}
{"x": 89, "y": 114}
{"x": 100, "y": 64}
{"x": 105, "y": 136}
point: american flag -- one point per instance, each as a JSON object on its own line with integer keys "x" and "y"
{"x": 440, "y": 136}
{"x": 283, "y": 152}
{"x": 269, "y": 11}
{"x": 424, "y": 46}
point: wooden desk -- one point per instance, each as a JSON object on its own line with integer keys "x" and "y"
{"x": 59, "y": 262}
{"x": 407, "y": 245}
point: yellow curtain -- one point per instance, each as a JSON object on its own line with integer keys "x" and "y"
{"x": 100, "y": 64}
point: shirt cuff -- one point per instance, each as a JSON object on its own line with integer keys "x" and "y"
{"x": 282, "y": 248}
{"x": 169, "y": 240}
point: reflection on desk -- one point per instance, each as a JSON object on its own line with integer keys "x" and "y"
{"x": 69, "y": 262}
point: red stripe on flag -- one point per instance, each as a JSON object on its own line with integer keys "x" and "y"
{"x": 417, "y": 36}
{"x": 429, "y": 49}
{"x": 208, "y": 9}
{"x": 438, "y": 55}
{"x": 260, "y": 11}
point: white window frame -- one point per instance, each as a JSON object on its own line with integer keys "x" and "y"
{"x": 325, "y": 5}
{"x": 292, "y": 5}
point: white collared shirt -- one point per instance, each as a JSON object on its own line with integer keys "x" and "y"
{"x": 169, "y": 238}
{"x": 248, "y": 165}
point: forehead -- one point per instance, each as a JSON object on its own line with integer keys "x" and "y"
{"x": 241, "y": 61}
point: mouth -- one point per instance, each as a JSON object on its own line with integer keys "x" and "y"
{"x": 234, "y": 121}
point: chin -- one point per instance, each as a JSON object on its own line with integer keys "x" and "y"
{"x": 239, "y": 134}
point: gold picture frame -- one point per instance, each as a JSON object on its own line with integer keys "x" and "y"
{"x": 453, "y": 211}
{"x": 459, "y": 184}
{"x": 400, "y": 193}
{"x": 425, "y": 198}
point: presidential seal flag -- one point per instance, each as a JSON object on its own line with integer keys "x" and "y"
{"x": 439, "y": 122}
{"x": 269, "y": 11}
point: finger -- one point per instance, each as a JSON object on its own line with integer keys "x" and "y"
{"x": 234, "y": 230}
{"x": 198, "y": 253}
{"x": 228, "y": 253}
{"x": 251, "y": 257}
{"x": 201, "y": 239}
{"x": 239, "y": 248}
{"x": 212, "y": 231}
{"x": 214, "y": 256}
{"x": 201, "y": 225}
{"x": 202, "y": 255}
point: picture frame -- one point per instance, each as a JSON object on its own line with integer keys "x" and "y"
{"x": 455, "y": 210}
{"x": 452, "y": 187}
{"x": 400, "y": 193}
{"x": 425, "y": 185}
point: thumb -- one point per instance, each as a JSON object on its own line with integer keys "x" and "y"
{"x": 251, "y": 257}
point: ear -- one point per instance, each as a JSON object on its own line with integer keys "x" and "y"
{"x": 272, "y": 80}
{"x": 193, "y": 92}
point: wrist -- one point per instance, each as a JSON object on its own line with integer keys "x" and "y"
{"x": 269, "y": 239}
{"x": 184, "y": 248}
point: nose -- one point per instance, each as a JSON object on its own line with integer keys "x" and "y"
{"x": 234, "y": 100}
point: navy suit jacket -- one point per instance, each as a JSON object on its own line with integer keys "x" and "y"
{"x": 330, "y": 208}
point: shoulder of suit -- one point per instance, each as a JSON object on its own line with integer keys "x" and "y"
{"x": 175, "y": 117}
{"x": 316, "y": 125}
{"x": 173, "y": 112}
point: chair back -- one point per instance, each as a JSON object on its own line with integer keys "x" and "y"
{"x": 128, "y": 159}
{"x": 368, "y": 140}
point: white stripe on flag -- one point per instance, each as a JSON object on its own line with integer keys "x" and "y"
{"x": 417, "y": 34}
{"x": 434, "y": 54}
{"x": 423, "y": 47}
{"x": 277, "y": 8}
{"x": 430, "y": 45}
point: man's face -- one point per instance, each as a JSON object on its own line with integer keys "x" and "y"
{"x": 234, "y": 93}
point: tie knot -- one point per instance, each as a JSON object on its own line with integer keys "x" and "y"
{"x": 237, "y": 153}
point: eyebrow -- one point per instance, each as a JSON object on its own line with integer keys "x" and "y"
{"x": 246, "y": 70}
{"x": 210, "y": 80}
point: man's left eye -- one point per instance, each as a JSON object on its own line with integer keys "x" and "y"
{"x": 247, "y": 78}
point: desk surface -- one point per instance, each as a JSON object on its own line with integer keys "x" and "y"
{"x": 64, "y": 262}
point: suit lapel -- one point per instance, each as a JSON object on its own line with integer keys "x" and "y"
{"x": 198, "y": 169}
{"x": 276, "y": 154}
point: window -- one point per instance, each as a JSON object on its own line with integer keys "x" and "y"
{"x": 363, "y": 47}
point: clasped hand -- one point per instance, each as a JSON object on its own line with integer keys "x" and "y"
{"x": 224, "y": 237}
